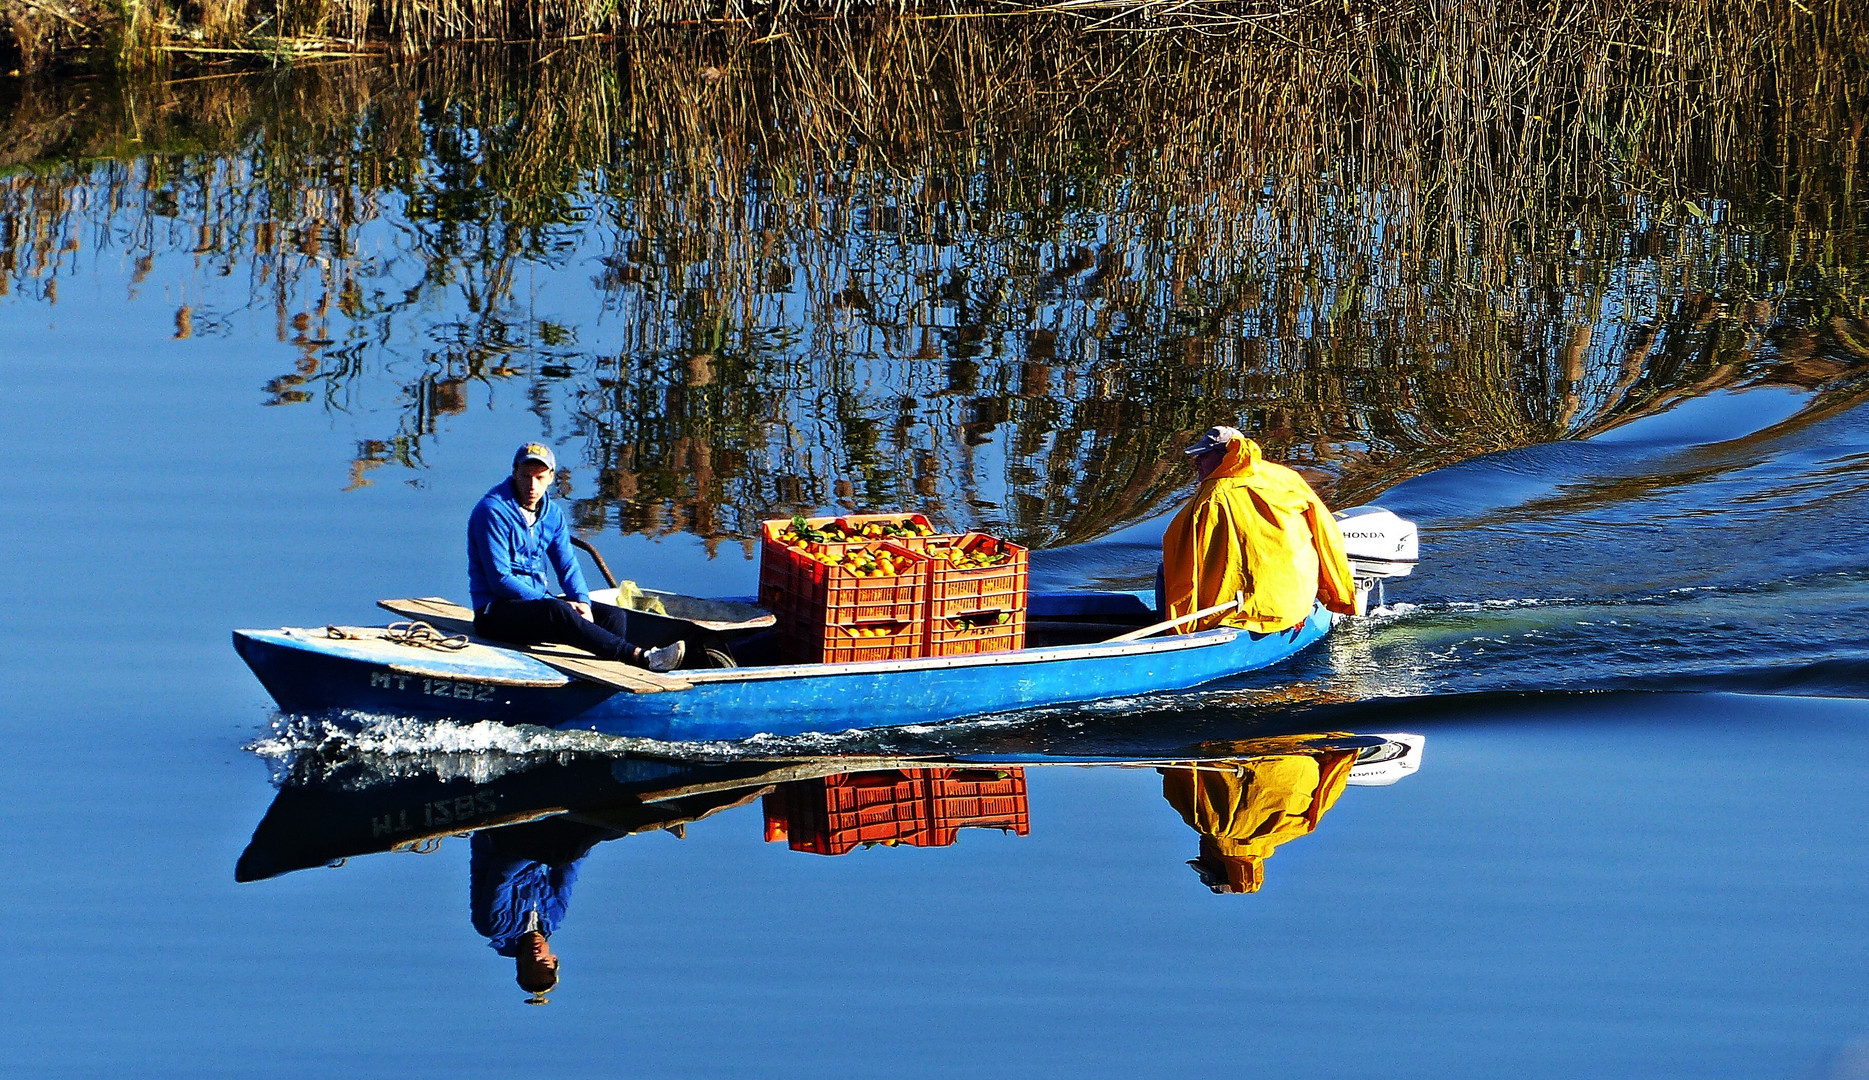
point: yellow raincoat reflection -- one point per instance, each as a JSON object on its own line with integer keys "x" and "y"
{"x": 1244, "y": 809}
{"x": 1258, "y": 528}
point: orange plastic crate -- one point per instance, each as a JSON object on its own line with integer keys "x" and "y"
{"x": 966, "y": 635}
{"x": 793, "y": 584}
{"x": 784, "y": 572}
{"x": 855, "y": 523}
{"x": 812, "y": 598}
{"x": 954, "y": 591}
{"x": 797, "y": 572}
{"x": 901, "y": 597}
{"x": 770, "y": 530}
{"x": 815, "y": 641}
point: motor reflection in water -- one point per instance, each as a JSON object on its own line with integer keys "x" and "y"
{"x": 532, "y": 822}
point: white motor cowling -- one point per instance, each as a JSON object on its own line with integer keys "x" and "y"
{"x": 1379, "y": 545}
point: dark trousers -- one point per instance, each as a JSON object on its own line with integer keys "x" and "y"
{"x": 532, "y": 622}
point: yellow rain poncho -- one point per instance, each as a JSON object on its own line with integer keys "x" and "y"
{"x": 1257, "y": 528}
{"x": 1245, "y": 809}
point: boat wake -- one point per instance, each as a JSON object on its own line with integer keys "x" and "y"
{"x": 1717, "y": 551}
{"x": 357, "y": 749}
{"x": 368, "y": 748}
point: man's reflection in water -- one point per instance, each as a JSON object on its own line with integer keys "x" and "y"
{"x": 520, "y": 876}
{"x": 1244, "y": 809}
{"x": 520, "y": 879}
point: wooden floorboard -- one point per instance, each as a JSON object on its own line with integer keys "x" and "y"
{"x": 454, "y": 619}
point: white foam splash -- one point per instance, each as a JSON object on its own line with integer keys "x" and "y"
{"x": 362, "y": 748}
{"x": 948, "y": 727}
{"x": 1506, "y": 605}
{"x": 364, "y": 733}
{"x": 355, "y": 749}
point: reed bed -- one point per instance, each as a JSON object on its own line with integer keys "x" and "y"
{"x": 1028, "y": 260}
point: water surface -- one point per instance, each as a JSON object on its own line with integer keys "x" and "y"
{"x": 266, "y": 339}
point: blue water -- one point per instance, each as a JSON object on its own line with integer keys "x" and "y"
{"x": 1602, "y": 883}
{"x": 1635, "y": 845}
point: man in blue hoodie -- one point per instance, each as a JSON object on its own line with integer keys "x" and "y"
{"x": 514, "y": 532}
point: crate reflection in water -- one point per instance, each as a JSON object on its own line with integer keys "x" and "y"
{"x": 833, "y": 815}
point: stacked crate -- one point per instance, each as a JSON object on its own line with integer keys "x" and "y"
{"x": 829, "y": 614}
{"x": 934, "y": 608}
{"x": 978, "y": 609}
{"x": 913, "y": 807}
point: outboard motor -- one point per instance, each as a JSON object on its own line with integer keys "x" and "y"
{"x": 1380, "y": 546}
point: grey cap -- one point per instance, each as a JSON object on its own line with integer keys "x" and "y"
{"x": 1214, "y": 438}
{"x": 538, "y": 452}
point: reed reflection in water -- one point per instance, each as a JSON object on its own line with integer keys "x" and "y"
{"x": 992, "y": 272}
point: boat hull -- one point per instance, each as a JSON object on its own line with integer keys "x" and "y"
{"x": 305, "y": 671}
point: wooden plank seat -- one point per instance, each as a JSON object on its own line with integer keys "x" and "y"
{"x": 452, "y": 618}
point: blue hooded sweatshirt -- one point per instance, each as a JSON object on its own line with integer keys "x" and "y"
{"x": 506, "y": 558}
{"x": 504, "y": 887}
{"x": 515, "y": 870}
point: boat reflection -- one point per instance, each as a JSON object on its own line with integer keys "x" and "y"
{"x": 531, "y": 823}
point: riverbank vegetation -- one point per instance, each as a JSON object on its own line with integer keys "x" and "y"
{"x": 35, "y": 34}
{"x": 997, "y": 268}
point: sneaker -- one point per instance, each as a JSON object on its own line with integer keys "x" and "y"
{"x": 666, "y": 658}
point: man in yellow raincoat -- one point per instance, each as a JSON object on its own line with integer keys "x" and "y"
{"x": 1245, "y": 809}
{"x": 1254, "y": 528}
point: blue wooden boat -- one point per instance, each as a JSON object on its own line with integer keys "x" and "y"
{"x": 1068, "y": 661}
